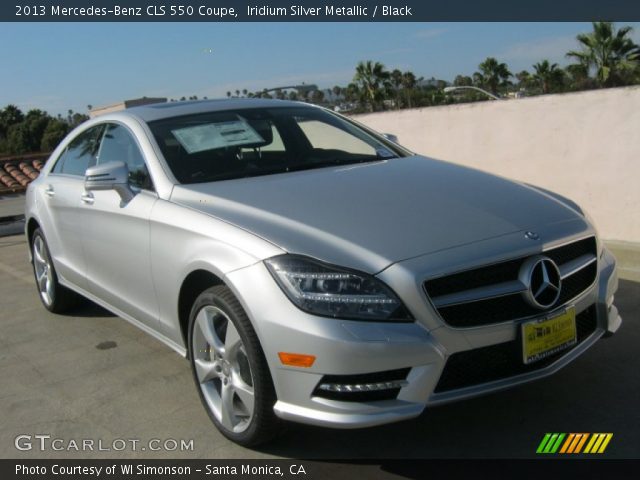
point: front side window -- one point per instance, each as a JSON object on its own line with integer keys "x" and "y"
{"x": 246, "y": 143}
{"x": 80, "y": 154}
{"x": 118, "y": 145}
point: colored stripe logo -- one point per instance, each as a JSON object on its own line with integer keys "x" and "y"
{"x": 573, "y": 443}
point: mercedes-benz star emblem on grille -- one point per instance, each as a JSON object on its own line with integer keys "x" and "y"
{"x": 541, "y": 278}
{"x": 531, "y": 235}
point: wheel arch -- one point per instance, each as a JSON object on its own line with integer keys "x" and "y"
{"x": 193, "y": 285}
{"x": 32, "y": 225}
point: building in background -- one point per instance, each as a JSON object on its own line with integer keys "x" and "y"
{"x": 136, "y": 102}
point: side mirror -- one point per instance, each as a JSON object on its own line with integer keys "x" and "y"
{"x": 109, "y": 176}
{"x": 391, "y": 137}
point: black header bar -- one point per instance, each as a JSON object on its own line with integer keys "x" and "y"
{"x": 292, "y": 469}
{"x": 317, "y": 10}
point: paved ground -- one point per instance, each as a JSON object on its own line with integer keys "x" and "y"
{"x": 92, "y": 375}
{"x": 11, "y": 205}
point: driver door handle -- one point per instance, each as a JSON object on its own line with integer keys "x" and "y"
{"x": 49, "y": 191}
{"x": 87, "y": 197}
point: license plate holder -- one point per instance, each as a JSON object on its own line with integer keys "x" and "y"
{"x": 546, "y": 336}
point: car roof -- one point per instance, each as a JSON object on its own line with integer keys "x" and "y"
{"x": 159, "y": 111}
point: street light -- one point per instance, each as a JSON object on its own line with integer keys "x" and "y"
{"x": 469, "y": 87}
{"x": 300, "y": 88}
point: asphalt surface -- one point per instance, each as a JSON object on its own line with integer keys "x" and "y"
{"x": 91, "y": 375}
{"x": 11, "y": 205}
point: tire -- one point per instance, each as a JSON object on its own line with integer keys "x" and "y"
{"x": 55, "y": 297}
{"x": 230, "y": 370}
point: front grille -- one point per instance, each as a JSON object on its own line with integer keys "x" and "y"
{"x": 511, "y": 306}
{"x": 496, "y": 362}
{"x": 362, "y": 379}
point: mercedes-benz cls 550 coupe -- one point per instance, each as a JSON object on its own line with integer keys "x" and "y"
{"x": 310, "y": 269}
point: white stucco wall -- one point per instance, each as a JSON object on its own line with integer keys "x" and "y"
{"x": 583, "y": 145}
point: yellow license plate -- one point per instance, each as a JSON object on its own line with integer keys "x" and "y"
{"x": 544, "y": 337}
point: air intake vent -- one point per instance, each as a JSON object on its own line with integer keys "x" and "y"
{"x": 487, "y": 364}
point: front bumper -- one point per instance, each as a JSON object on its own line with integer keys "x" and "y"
{"x": 344, "y": 347}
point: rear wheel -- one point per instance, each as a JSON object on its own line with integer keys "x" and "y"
{"x": 230, "y": 370}
{"x": 53, "y": 295}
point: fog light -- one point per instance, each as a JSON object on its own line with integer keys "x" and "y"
{"x": 362, "y": 387}
{"x": 296, "y": 359}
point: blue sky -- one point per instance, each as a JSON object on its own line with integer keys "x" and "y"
{"x": 57, "y": 66}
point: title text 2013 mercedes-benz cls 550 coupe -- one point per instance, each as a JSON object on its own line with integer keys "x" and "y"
{"x": 311, "y": 269}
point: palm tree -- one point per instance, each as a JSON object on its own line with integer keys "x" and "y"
{"x": 373, "y": 82}
{"x": 237, "y": 93}
{"x": 352, "y": 92}
{"x": 228, "y": 94}
{"x": 548, "y": 76}
{"x": 396, "y": 81}
{"x": 610, "y": 54}
{"x": 578, "y": 77}
{"x": 408, "y": 84}
{"x": 524, "y": 79}
{"x": 493, "y": 74}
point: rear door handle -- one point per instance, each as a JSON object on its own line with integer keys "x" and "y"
{"x": 87, "y": 198}
{"x": 50, "y": 192}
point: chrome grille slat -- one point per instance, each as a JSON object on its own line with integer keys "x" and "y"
{"x": 495, "y": 293}
{"x": 574, "y": 266}
{"x": 481, "y": 293}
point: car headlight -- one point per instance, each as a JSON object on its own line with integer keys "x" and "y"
{"x": 329, "y": 291}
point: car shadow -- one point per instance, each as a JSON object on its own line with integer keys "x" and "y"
{"x": 88, "y": 309}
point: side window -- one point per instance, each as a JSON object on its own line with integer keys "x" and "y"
{"x": 118, "y": 145}
{"x": 322, "y": 135}
{"x": 276, "y": 145}
{"x": 80, "y": 154}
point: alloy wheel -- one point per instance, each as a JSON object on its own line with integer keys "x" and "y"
{"x": 43, "y": 270}
{"x": 222, "y": 369}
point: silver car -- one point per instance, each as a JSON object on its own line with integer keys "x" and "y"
{"x": 310, "y": 269}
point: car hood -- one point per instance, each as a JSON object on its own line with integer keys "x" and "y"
{"x": 368, "y": 216}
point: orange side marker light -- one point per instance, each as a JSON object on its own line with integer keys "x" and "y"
{"x": 296, "y": 359}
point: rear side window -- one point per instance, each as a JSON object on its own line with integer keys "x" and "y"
{"x": 80, "y": 154}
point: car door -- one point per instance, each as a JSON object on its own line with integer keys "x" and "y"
{"x": 116, "y": 233}
{"x": 62, "y": 194}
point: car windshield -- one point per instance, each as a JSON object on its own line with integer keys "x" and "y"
{"x": 251, "y": 142}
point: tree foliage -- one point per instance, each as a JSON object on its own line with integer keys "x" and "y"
{"x": 549, "y": 77}
{"x": 35, "y": 131}
{"x": 374, "y": 83}
{"x": 610, "y": 54}
{"x": 492, "y": 75}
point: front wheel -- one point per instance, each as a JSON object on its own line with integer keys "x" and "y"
{"x": 55, "y": 297}
{"x": 230, "y": 370}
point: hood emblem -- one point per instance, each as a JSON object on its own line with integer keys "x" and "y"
{"x": 531, "y": 235}
{"x": 541, "y": 278}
